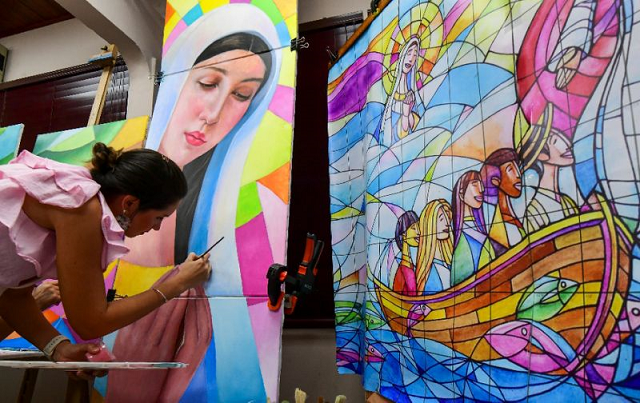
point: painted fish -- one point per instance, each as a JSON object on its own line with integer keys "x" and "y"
{"x": 531, "y": 345}
{"x": 545, "y": 298}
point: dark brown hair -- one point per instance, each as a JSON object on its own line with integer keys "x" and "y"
{"x": 146, "y": 174}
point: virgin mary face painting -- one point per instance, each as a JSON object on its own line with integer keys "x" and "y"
{"x": 216, "y": 95}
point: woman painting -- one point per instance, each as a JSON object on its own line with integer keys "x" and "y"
{"x": 471, "y": 248}
{"x": 433, "y": 273}
{"x": 404, "y": 107}
{"x": 56, "y": 216}
{"x": 207, "y": 118}
{"x": 407, "y": 238}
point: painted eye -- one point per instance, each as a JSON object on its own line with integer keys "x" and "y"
{"x": 523, "y": 331}
{"x": 563, "y": 284}
{"x": 207, "y": 85}
{"x": 635, "y": 311}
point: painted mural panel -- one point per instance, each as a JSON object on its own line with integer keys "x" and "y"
{"x": 224, "y": 114}
{"x": 74, "y": 146}
{"x": 9, "y": 142}
{"x": 485, "y": 178}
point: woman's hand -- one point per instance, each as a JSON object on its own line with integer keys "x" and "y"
{"x": 77, "y": 352}
{"x": 46, "y": 294}
{"x": 193, "y": 271}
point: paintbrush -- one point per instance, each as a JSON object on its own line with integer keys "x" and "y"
{"x": 210, "y": 247}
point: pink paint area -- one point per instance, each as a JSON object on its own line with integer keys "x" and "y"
{"x": 537, "y": 83}
{"x": 453, "y": 15}
{"x": 267, "y": 328}
{"x": 282, "y": 103}
{"x": 177, "y": 30}
{"x": 595, "y": 379}
{"x": 276, "y": 214}
{"x": 512, "y": 341}
{"x": 254, "y": 256}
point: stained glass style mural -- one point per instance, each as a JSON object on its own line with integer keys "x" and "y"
{"x": 485, "y": 201}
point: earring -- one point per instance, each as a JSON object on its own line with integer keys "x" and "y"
{"x": 123, "y": 220}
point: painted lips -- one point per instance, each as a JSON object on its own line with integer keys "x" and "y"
{"x": 195, "y": 138}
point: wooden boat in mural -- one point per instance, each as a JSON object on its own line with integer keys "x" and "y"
{"x": 553, "y": 303}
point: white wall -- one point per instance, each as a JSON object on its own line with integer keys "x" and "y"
{"x": 54, "y": 47}
{"x": 311, "y": 10}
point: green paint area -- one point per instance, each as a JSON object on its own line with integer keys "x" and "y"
{"x": 248, "y": 204}
{"x": 347, "y": 312}
{"x": 372, "y": 317}
{"x": 545, "y": 298}
{"x": 346, "y": 213}
{"x": 271, "y": 148}
{"x": 269, "y": 7}
{"x": 5, "y": 160}
{"x": 76, "y": 147}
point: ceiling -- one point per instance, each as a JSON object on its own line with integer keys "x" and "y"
{"x": 24, "y": 15}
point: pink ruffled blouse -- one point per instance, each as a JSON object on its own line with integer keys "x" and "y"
{"x": 28, "y": 251}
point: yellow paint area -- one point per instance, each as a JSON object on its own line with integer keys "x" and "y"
{"x": 575, "y": 237}
{"x": 616, "y": 305}
{"x": 346, "y": 213}
{"x": 170, "y": 25}
{"x": 586, "y": 295}
{"x": 132, "y": 134}
{"x": 271, "y": 148}
{"x": 499, "y": 309}
{"x": 292, "y": 25}
{"x": 288, "y": 69}
{"x": 287, "y": 7}
{"x": 392, "y": 303}
{"x": 182, "y": 6}
{"x": 208, "y": 5}
{"x": 436, "y": 314}
{"x": 132, "y": 279}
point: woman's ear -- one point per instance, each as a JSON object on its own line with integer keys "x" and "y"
{"x": 130, "y": 204}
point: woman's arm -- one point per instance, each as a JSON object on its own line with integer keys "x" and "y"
{"x": 79, "y": 253}
{"x": 45, "y": 295}
{"x": 21, "y": 313}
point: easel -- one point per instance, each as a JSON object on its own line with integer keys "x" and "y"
{"x": 79, "y": 391}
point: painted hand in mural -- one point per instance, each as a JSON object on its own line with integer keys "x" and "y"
{"x": 567, "y": 67}
{"x": 408, "y": 120}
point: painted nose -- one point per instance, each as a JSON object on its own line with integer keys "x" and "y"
{"x": 211, "y": 112}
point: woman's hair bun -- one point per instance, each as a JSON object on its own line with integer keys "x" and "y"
{"x": 104, "y": 158}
